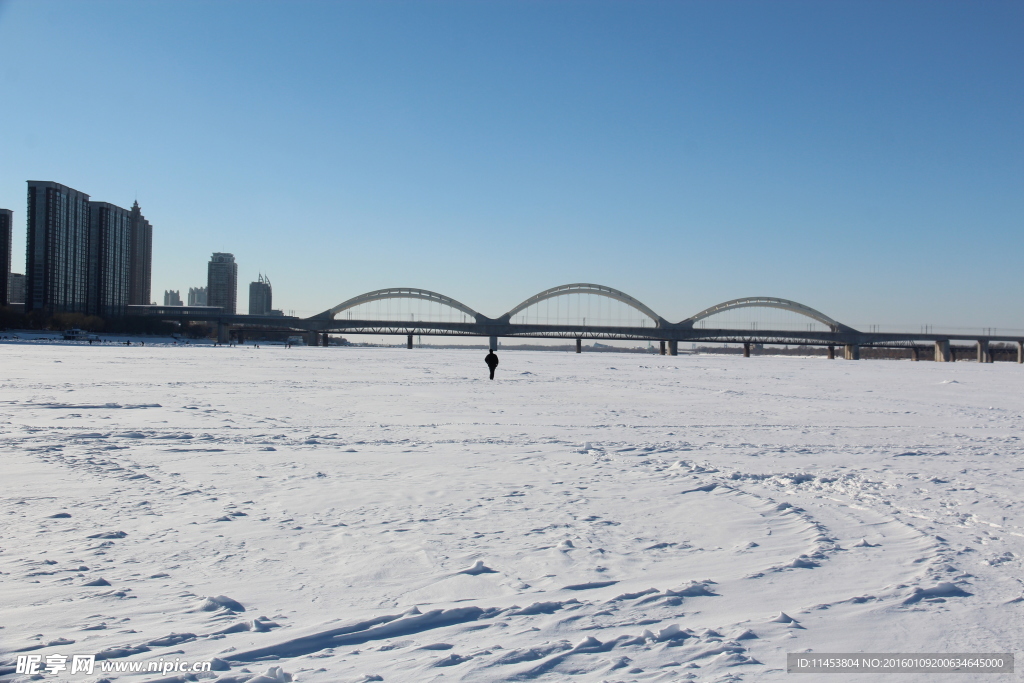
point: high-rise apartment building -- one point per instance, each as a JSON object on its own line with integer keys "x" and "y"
{"x": 260, "y": 296}
{"x": 83, "y": 256}
{"x": 197, "y": 296}
{"x": 140, "y": 269}
{"x": 6, "y": 222}
{"x": 16, "y": 289}
{"x": 172, "y": 298}
{"x": 110, "y": 232}
{"x": 57, "y": 258}
{"x": 222, "y": 282}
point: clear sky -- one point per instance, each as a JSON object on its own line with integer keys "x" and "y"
{"x": 865, "y": 158}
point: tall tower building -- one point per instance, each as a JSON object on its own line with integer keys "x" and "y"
{"x": 6, "y": 226}
{"x": 222, "y": 282}
{"x": 197, "y": 296}
{"x": 140, "y": 269}
{"x": 260, "y": 296}
{"x": 110, "y": 233}
{"x": 57, "y": 254}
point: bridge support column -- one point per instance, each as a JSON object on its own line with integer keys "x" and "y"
{"x": 1020, "y": 352}
{"x": 662, "y": 344}
{"x": 408, "y": 342}
{"x": 851, "y": 352}
{"x": 831, "y": 352}
{"x": 312, "y": 338}
{"x": 579, "y": 345}
{"x": 673, "y": 347}
{"x": 942, "y": 351}
{"x": 915, "y": 353}
{"x": 493, "y": 343}
{"x": 241, "y": 337}
{"x": 326, "y": 339}
{"x": 746, "y": 349}
{"x": 984, "y": 354}
{"x": 222, "y": 333}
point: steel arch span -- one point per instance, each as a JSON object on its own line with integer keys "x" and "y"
{"x": 587, "y": 288}
{"x": 399, "y": 293}
{"x": 766, "y": 302}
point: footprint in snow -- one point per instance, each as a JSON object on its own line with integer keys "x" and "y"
{"x": 109, "y": 534}
{"x": 784, "y": 618}
{"x": 213, "y": 604}
{"x": 937, "y": 593}
{"x": 478, "y": 568}
{"x": 802, "y": 563}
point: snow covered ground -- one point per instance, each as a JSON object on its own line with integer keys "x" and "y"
{"x": 384, "y": 514}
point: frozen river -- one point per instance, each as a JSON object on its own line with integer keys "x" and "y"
{"x": 384, "y": 514}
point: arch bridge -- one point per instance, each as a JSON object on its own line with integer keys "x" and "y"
{"x": 461, "y": 320}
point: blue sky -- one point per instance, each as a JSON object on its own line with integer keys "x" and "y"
{"x": 864, "y": 158}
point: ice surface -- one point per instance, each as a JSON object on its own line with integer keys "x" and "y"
{"x": 385, "y": 514}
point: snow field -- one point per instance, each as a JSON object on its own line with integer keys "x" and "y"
{"x": 385, "y": 514}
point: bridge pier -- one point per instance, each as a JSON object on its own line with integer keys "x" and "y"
{"x": 984, "y": 354}
{"x": 851, "y": 352}
{"x": 746, "y": 349}
{"x": 222, "y": 333}
{"x": 240, "y": 336}
{"x": 326, "y": 339}
{"x": 1020, "y": 352}
{"x": 673, "y": 347}
{"x": 579, "y": 345}
{"x": 915, "y": 352}
{"x": 492, "y": 343}
{"x": 942, "y": 351}
{"x": 663, "y": 347}
{"x": 408, "y": 342}
{"x": 831, "y": 352}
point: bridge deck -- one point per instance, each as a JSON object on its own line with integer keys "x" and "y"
{"x": 491, "y": 328}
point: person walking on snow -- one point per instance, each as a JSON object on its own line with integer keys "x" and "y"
{"x": 492, "y": 361}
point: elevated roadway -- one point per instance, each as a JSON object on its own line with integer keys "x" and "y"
{"x": 654, "y": 327}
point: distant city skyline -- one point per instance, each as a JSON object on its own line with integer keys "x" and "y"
{"x": 863, "y": 158}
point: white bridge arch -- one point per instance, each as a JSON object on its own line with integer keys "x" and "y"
{"x": 586, "y": 288}
{"x": 400, "y": 293}
{"x": 765, "y": 302}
